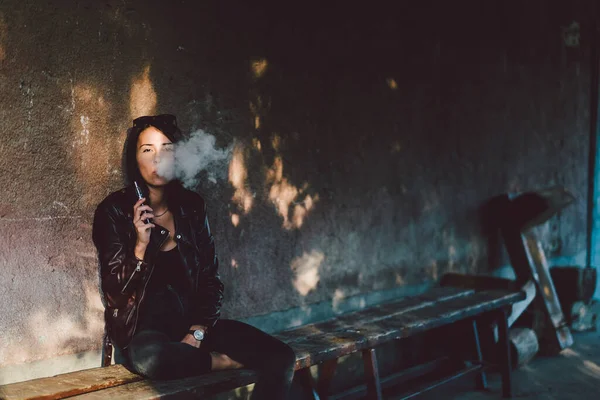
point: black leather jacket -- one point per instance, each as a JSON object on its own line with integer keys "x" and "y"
{"x": 123, "y": 278}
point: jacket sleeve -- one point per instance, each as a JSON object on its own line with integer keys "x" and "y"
{"x": 119, "y": 272}
{"x": 207, "y": 297}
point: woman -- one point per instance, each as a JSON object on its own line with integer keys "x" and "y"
{"x": 159, "y": 276}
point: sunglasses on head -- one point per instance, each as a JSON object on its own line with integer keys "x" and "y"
{"x": 161, "y": 120}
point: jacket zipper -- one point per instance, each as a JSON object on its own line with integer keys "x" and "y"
{"x": 138, "y": 268}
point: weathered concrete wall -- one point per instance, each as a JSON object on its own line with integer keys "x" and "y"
{"x": 366, "y": 141}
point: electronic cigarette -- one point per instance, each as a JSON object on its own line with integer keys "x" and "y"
{"x": 140, "y": 195}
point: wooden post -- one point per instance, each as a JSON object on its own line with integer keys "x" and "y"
{"x": 504, "y": 356}
{"x": 480, "y": 379}
{"x": 306, "y": 380}
{"x": 107, "y": 350}
{"x": 326, "y": 373}
{"x": 372, "y": 375}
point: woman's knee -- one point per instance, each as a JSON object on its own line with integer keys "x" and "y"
{"x": 282, "y": 358}
{"x": 148, "y": 361}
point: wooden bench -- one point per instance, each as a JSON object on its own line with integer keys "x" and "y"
{"x": 320, "y": 343}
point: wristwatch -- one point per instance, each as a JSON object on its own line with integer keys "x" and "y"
{"x": 198, "y": 334}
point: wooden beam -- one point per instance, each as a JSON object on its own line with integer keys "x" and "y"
{"x": 372, "y": 374}
{"x": 480, "y": 380}
{"x": 304, "y": 377}
{"x": 504, "y": 356}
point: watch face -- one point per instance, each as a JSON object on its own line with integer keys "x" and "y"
{"x": 198, "y": 335}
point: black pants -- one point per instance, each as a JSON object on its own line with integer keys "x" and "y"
{"x": 159, "y": 355}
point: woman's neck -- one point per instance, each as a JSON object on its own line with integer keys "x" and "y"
{"x": 157, "y": 198}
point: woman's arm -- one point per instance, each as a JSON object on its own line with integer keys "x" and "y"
{"x": 205, "y": 307}
{"x": 120, "y": 270}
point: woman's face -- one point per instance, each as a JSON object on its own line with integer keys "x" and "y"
{"x": 155, "y": 156}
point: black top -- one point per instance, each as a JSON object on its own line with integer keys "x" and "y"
{"x": 166, "y": 301}
{"x": 169, "y": 271}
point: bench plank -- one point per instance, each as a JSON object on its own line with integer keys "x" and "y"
{"x": 386, "y": 310}
{"x": 70, "y": 384}
{"x": 203, "y": 385}
{"x": 368, "y": 331}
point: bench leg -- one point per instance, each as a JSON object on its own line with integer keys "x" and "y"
{"x": 372, "y": 375}
{"x": 326, "y": 373}
{"x": 305, "y": 378}
{"x": 504, "y": 349}
{"x": 107, "y": 350}
{"x": 480, "y": 379}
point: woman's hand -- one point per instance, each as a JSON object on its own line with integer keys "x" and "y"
{"x": 143, "y": 229}
{"x": 191, "y": 340}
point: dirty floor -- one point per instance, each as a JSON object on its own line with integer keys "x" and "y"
{"x": 574, "y": 374}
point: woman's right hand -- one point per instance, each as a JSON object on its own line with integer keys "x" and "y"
{"x": 143, "y": 230}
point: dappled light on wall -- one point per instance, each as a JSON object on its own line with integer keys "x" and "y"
{"x": 306, "y": 271}
{"x": 256, "y": 144}
{"x": 89, "y": 112}
{"x": 301, "y": 211}
{"x": 284, "y": 195}
{"x": 399, "y": 279}
{"x": 293, "y": 204}
{"x": 259, "y": 67}
{"x": 338, "y": 297}
{"x": 276, "y": 142}
{"x": 391, "y": 82}
{"x": 142, "y": 97}
{"x": 258, "y": 108}
{"x": 238, "y": 175}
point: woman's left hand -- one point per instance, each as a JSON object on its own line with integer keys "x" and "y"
{"x": 191, "y": 340}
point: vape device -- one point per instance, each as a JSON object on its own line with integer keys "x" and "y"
{"x": 140, "y": 195}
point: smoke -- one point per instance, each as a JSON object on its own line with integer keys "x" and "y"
{"x": 194, "y": 155}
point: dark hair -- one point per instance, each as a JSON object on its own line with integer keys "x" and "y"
{"x": 167, "y": 124}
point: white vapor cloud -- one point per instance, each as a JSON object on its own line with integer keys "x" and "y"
{"x": 193, "y": 156}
